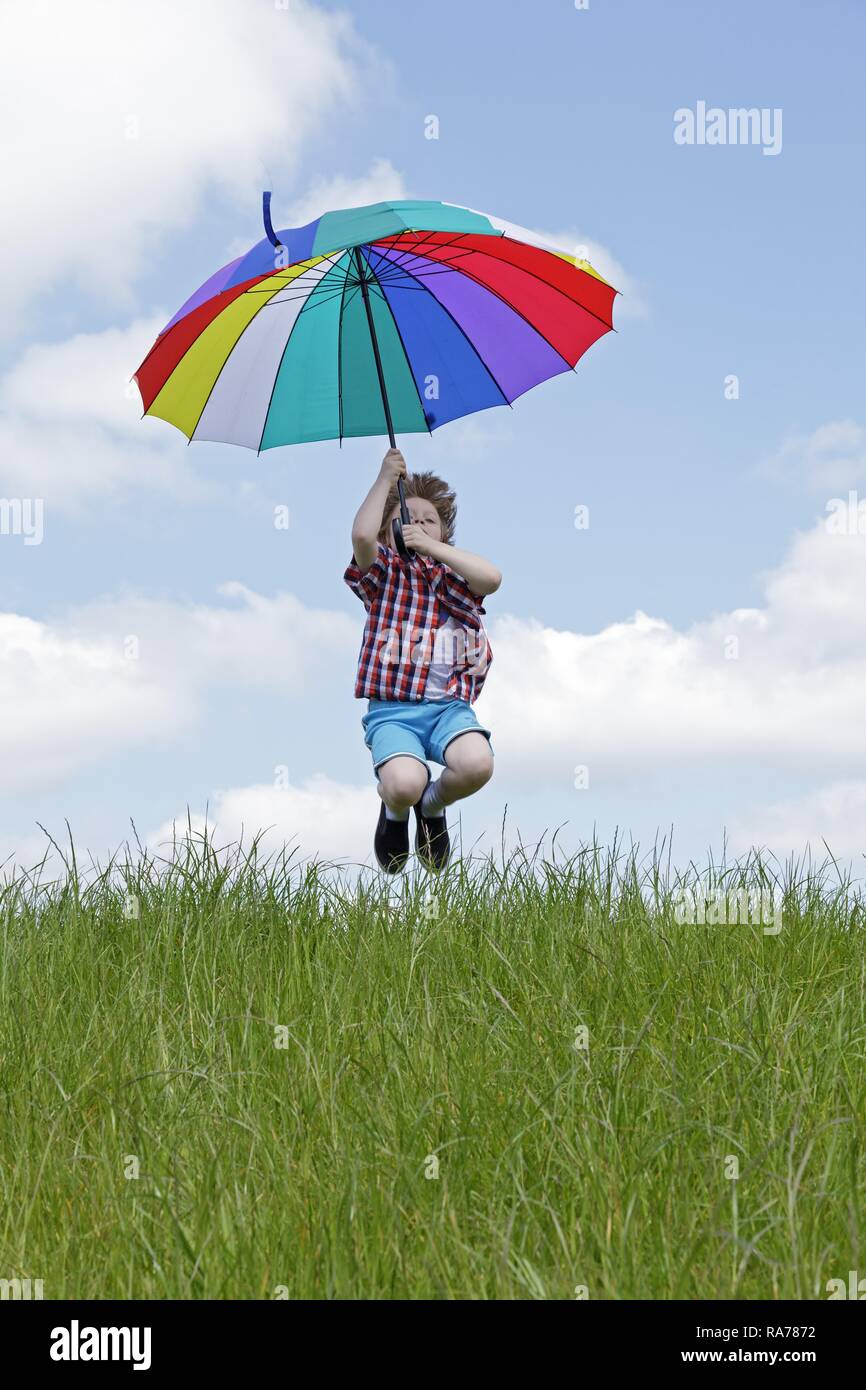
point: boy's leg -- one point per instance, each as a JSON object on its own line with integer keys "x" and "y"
{"x": 402, "y": 779}
{"x": 401, "y": 782}
{"x": 468, "y": 765}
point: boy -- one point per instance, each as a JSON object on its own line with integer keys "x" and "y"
{"x": 423, "y": 660}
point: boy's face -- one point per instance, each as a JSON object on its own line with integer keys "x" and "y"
{"x": 422, "y": 513}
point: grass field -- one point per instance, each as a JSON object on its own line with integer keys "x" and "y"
{"x": 223, "y": 1076}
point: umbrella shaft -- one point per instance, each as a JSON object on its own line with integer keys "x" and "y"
{"x": 381, "y": 375}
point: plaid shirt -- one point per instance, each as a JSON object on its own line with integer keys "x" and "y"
{"x": 406, "y": 601}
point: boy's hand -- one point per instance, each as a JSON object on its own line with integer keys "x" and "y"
{"x": 417, "y": 538}
{"x": 393, "y": 466}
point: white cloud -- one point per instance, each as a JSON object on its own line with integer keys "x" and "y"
{"x": 832, "y": 456}
{"x": 320, "y": 817}
{"x": 133, "y": 673}
{"x": 83, "y": 380}
{"x": 266, "y": 643}
{"x": 641, "y": 694}
{"x": 71, "y": 427}
{"x": 24, "y": 852}
{"x": 324, "y": 819}
{"x": 65, "y": 703}
{"x": 117, "y": 118}
{"x": 828, "y": 820}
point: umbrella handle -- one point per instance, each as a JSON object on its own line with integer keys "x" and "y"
{"x": 404, "y": 519}
{"x": 269, "y": 226}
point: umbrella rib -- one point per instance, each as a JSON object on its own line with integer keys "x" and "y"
{"x": 292, "y": 279}
{"x": 398, "y": 261}
{"x": 340, "y": 355}
{"x": 455, "y": 253}
{"x": 397, "y": 265}
{"x": 402, "y": 344}
{"x": 586, "y": 310}
{"x": 417, "y": 250}
{"x": 470, "y": 250}
{"x": 608, "y": 327}
{"x": 266, "y": 305}
{"x": 527, "y": 321}
{"x": 324, "y": 298}
{"x": 535, "y": 276}
{"x": 298, "y": 318}
{"x": 462, "y": 330}
{"x": 426, "y": 274}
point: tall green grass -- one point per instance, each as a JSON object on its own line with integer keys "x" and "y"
{"x": 230, "y": 1076}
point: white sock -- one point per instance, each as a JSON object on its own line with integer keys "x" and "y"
{"x": 395, "y": 815}
{"x": 431, "y": 804}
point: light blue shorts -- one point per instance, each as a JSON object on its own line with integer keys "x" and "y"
{"x": 419, "y": 729}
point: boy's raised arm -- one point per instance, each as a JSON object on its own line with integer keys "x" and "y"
{"x": 368, "y": 522}
{"x": 481, "y": 575}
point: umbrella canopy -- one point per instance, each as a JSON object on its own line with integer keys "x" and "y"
{"x": 418, "y": 311}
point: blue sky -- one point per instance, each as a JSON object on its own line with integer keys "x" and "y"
{"x": 139, "y": 170}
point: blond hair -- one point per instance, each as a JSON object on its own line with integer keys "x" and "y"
{"x": 427, "y": 487}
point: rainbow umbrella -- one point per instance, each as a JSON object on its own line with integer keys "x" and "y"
{"x": 396, "y": 317}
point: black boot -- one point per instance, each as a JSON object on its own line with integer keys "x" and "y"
{"x": 391, "y": 842}
{"x": 431, "y": 835}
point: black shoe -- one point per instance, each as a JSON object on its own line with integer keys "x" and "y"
{"x": 431, "y": 836}
{"x": 391, "y": 842}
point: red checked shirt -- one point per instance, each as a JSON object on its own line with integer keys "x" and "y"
{"x": 406, "y": 602}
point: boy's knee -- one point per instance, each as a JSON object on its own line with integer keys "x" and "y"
{"x": 403, "y": 779}
{"x": 473, "y": 762}
{"x": 482, "y": 768}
